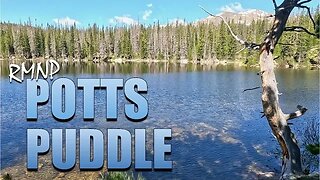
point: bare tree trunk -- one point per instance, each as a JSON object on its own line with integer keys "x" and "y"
{"x": 291, "y": 163}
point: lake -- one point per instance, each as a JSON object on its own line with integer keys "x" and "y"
{"x": 216, "y": 127}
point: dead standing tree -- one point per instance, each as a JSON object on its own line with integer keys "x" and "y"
{"x": 278, "y": 121}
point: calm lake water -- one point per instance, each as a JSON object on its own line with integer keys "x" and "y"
{"x": 217, "y": 129}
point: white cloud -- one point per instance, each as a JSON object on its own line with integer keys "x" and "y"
{"x": 233, "y": 7}
{"x": 123, "y": 19}
{"x": 146, "y": 14}
{"x": 66, "y": 21}
{"x": 149, "y": 5}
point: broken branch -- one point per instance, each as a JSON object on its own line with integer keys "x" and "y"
{"x": 286, "y": 44}
{"x": 299, "y": 29}
{"x": 250, "y": 89}
{"x": 303, "y": 2}
{"x": 300, "y": 112}
{"x": 248, "y": 45}
{"x": 276, "y": 58}
{"x": 241, "y": 50}
{"x": 275, "y": 4}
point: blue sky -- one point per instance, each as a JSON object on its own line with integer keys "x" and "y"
{"x": 112, "y": 12}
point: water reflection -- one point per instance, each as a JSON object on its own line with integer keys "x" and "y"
{"x": 125, "y": 68}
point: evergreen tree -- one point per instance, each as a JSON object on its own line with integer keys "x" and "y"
{"x": 174, "y": 41}
{"x": 200, "y": 42}
{"x": 24, "y": 44}
{"x": 71, "y": 43}
{"x": 143, "y": 40}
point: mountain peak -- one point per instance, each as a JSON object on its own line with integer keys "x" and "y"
{"x": 243, "y": 17}
{"x": 254, "y": 12}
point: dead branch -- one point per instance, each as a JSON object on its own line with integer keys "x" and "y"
{"x": 310, "y": 15}
{"x": 248, "y": 45}
{"x": 274, "y": 4}
{"x": 303, "y": 2}
{"x": 276, "y": 58}
{"x": 269, "y": 16}
{"x": 286, "y": 44}
{"x": 299, "y": 29}
{"x": 295, "y": 3}
{"x": 241, "y": 50}
{"x": 300, "y": 112}
{"x": 250, "y": 89}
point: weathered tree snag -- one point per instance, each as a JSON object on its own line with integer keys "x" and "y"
{"x": 291, "y": 162}
{"x": 278, "y": 121}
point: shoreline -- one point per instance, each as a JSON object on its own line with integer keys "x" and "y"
{"x": 47, "y": 171}
{"x": 237, "y": 63}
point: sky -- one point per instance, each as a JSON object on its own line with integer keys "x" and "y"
{"x": 114, "y": 12}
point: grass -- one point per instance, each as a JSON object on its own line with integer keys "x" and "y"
{"x": 119, "y": 176}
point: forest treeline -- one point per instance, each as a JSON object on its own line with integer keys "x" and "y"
{"x": 174, "y": 41}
